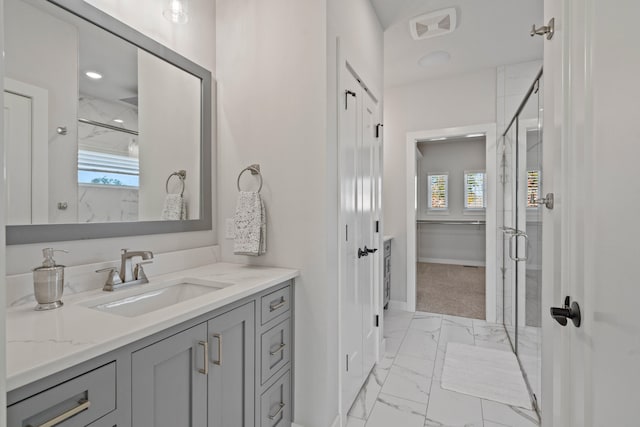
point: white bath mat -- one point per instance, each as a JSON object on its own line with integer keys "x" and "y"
{"x": 486, "y": 373}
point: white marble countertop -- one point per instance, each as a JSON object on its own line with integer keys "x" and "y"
{"x": 43, "y": 343}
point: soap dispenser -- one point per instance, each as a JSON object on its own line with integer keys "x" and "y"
{"x": 48, "y": 281}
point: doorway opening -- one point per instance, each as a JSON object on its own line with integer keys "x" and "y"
{"x": 450, "y": 226}
{"x": 450, "y": 193}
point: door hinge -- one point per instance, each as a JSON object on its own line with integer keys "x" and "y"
{"x": 377, "y": 321}
{"x": 346, "y": 233}
{"x": 377, "y": 226}
{"x": 346, "y": 98}
{"x": 347, "y": 357}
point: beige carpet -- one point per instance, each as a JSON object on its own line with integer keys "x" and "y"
{"x": 451, "y": 289}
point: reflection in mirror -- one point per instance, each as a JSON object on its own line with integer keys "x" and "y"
{"x": 95, "y": 124}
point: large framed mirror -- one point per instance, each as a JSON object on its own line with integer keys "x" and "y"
{"x": 108, "y": 132}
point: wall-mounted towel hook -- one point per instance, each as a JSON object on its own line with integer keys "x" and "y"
{"x": 255, "y": 170}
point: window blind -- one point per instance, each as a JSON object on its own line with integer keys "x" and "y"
{"x": 107, "y": 169}
{"x": 475, "y": 190}
{"x": 438, "y": 191}
{"x": 533, "y": 188}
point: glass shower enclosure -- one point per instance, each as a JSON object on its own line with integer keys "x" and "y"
{"x": 519, "y": 234}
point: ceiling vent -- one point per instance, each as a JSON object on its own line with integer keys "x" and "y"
{"x": 433, "y": 24}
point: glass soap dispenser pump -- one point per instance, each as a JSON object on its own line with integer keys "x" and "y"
{"x": 48, "y": 281}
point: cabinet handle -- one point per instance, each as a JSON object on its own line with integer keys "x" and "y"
{"x": 205, "y": 350}
{"x": 278, "y": 350}
{"x": 83, "y": 405}
{"x": 274, "y": 307}
{"x": 272, "y": 417}
{"x": 219, "y": 337}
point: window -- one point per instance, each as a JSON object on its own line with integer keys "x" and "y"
{"x": 475, "y": 190}
{"x": 533, "y": 188}
{"x": 107, "y": 169}
{"x": 438, "y": 192}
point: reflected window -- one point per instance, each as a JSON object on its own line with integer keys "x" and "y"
{"x": 533, "y": 188}
{"x": 95, "y": 168}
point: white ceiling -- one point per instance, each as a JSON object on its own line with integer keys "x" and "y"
{"x": 489, "y": 33}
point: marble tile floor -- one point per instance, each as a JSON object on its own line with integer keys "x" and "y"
{"x": 404, "y": 390}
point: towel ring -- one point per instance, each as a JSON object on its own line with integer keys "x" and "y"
{"x": 255, "y": 170}
{"x": 182, "y": 175}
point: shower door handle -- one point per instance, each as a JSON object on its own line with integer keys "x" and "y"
{"x": 515, "y": 236}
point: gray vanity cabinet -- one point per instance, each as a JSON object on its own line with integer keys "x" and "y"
{"x": 232, "y": 367}
{"x": 169, "y": 381}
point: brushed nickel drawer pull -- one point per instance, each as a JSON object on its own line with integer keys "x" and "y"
{"x": 278, "y": 350}
{"x": 83, "y": 405}
{"x": 219, "y": 361}
{"x": 274, "y": 307}
{"x": 205, "y": 347}
{"x": 272, "y": 417}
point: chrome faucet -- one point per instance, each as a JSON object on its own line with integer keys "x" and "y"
{"x": 127, "y": 272}
{"x": 128, "y": 275}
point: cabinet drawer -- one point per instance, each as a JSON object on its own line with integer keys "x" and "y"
{"x": 275, "y": 404}
{"x": 275, "y": 303}
{"x": 77, "y": 402}
{"x": 275, "y": 349}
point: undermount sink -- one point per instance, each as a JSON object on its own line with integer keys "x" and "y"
{"x": 156, "y": 299}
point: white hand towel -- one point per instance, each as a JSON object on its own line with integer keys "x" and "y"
{"x": 250, "y": 222}
{"x": 174, "y": 208}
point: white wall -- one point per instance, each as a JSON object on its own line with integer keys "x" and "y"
{"x": 277, "y": 107}
{"x": 196, "y": 41}
{"x": 461, "y": 100}
{"x": 169, "y": 117}
{"x": 35, "y": 39}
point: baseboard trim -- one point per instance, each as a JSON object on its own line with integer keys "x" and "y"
{"x": 453, "y": 261}
{"x": 398, "y": 305}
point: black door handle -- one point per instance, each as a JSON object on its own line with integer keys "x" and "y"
{"x": 371, "y": 251}
{"x": 571, "y": 310}
{"x": 362, "y": 253}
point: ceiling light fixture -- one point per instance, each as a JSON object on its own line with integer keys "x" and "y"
{"x": 176, "y": 11}
{"x": 118, "y": 121}
{"x": 475, "y": 135}
{"x": 93, "y": 75}
{"x": 432, "y": 59}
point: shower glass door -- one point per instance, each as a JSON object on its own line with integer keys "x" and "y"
{"x": 520, "y": 234}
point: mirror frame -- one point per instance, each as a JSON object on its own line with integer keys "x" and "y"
{"x": 37, "y": 233}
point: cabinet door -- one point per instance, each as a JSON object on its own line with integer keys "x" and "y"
{"x": 169, "y": 383}
{"x": 232, "y": 368}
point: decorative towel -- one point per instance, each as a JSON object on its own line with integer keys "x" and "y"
{"x": 174, "y": 208}
{"x": 250, "y": 223}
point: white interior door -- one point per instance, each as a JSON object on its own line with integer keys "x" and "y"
{"x": 592, "y": 112}
{"x": 359, "y": 254}
{"x": 350, "y": 299}
{"x": 17, "y": 134}
{"x": 366, "y": 229}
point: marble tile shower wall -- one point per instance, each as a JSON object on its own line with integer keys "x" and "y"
{"x": 404, "y": 389}
{"x": 103, "y": 203}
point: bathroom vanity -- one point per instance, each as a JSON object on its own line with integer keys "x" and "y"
{"x": 222, "y": 358}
